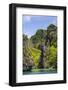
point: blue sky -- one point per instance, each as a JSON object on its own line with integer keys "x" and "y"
{"x": 32, "y": 23}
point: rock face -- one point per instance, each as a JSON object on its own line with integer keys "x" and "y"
{"x": 28, "y": 66}
{"x": 42, "y": 57}
{"x": 28, "y": 61}
{"x": 40, "y": 50}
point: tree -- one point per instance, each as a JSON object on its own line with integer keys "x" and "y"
{"x": 52, "y": 58}
{"x": 28, "y": 61}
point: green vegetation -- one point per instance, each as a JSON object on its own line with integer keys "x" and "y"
{"x": 52, "y": 58}
{"x": 34, "y": 57}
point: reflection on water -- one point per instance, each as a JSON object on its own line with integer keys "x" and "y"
{"x": 39, "y": 71}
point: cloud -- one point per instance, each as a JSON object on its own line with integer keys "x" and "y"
{"x": 27, "y": 18}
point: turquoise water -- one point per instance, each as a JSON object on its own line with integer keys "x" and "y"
{"x": 40, "y": 71}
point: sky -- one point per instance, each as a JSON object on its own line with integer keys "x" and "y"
{"x": 32, "y": 23}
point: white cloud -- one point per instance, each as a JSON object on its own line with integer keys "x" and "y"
{"x": 28, "y": 18}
